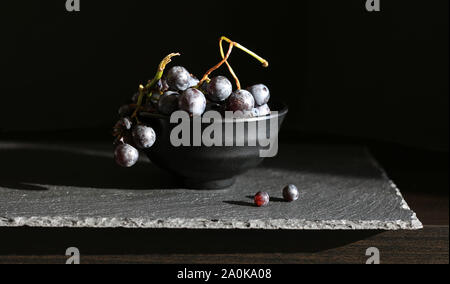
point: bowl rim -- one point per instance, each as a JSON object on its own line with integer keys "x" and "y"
{"x": 284, "y": 110}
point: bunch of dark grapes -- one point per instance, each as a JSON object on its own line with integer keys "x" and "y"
{"x": 177, "y": 89}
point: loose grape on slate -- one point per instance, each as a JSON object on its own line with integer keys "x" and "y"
{"x": 126, "y": 155}
{"x": 193, "y": 101}
{"x": 261, "y": 94}
{"x": 261, "y": 199}
{"x": 178, "y": 78}
{"x": 240, "y": 100}
{"x": 144, "y": 136}
{"x": 290, "y": 193}
{"x": 168, "y": 103}
{"x": 219, "y": 89}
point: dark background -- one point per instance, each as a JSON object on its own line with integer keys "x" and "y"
{"x": 349, "y": 76}
{"x": 342, "y": 70}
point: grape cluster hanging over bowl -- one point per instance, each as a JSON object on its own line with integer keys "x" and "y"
{"x": 177, "y": 89}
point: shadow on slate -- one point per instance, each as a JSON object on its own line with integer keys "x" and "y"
{"x": 28, "y": 168}
{"x": 39, "y": 241}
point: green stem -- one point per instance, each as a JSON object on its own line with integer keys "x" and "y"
{"x": 236, "y": 79}
{"x": 264, "y": 62}
{"x": 147, "y": 89}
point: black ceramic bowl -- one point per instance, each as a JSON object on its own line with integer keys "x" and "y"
{"x": 207, "y": 167}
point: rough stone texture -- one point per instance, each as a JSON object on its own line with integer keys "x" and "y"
{"x": 44, "y": 185}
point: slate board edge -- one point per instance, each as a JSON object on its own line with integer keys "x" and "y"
{"x": 415, "y": 223}
{"x": 273, "y": 224}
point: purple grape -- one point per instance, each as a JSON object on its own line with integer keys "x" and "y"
{"x": 263, "y": 110}
{"x": 193, "y": 101}
{"x": 178, "y": 78}
{"x": 240, "y": 100}
{"x": 219, "y": 89}
{"x": 168, "y": 103}
{"x": 144, "y": 136}
{"x": 261, "y": 94}
{"x": 290, "y": 193}
{"x": 126, "y": 155}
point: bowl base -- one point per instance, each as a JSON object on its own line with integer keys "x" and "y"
{"x": 211, "y": 184}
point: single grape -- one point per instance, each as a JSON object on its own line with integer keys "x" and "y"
{"x": 262, "y": 199}
{"x": 126, "y": 155}
{"x": 178, "y": 78}
{"x": 261, "y": 94}
{"x": 219, "y": 89}
{"x": 144, "y": 136}
{"x": 193, "y": 101}
{"x": 290, "y": 193}
{"x": 168, "y": 103}
{"x": 240, "y": 100}
{"x": 263, "y": 110}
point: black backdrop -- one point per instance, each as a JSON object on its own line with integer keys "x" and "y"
{"x": 342, "y": 70}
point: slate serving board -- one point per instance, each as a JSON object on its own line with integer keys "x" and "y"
{"x": 60, "y": 185}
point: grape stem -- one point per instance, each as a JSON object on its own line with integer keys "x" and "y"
{"x": 217, "y": 66}
{"x": 232, "y": 44}
{"x": 146, "y": 90}
{"x": 264, "y": 62}
{"x": 230, "y": 69}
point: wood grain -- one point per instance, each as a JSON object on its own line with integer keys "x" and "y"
{"x": 427, "y": 246}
